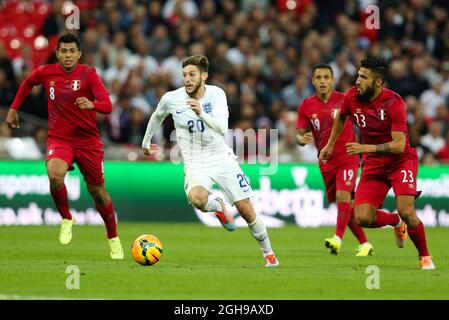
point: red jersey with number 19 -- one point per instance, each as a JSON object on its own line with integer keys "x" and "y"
{"x": 65, "y": 119}
{"x": 376, "y": 120}
{"x": 319, "y": 116}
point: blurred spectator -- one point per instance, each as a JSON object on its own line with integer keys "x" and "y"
{"x": 55, "y": 22}
{"x": 293, "y": 94}
{"x": 135, "y": 91}
{"x": 172, "y": 66}
{"x": 160, "y": 43}
{"x": 175, "y": 10}
{"x": 17, "y": 148}
{"x": 288, "y": 149}
{"x": 142, "y": 59}
{"x": 40, "y": 137}
{"x": 342, "y": 65}
{"x": 6, "y": 64}
{"x": 434, "y": 140}
{"x": 433, "y": 98}
{"x": 118, "y": 48}
{"x": 118, "y": 71}
{"x": 7, "y": 89}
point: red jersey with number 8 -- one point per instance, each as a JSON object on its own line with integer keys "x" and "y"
{"x": 65, "y": 119}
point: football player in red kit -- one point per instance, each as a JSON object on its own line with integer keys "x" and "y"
{"x": 388, "y": 159}
{"x": 316, "y": 114}
{"x": 75, "y": 93}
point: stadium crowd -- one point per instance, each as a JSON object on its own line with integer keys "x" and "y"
{"x": 261, "y": 54}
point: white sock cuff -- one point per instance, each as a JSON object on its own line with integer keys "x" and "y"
{"x": 212, "y": 205}
{"x": 258, "y": 228}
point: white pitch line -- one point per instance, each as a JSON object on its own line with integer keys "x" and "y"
{"x": 22, "y": 297}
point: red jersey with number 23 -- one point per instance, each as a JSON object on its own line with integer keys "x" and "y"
{"x": 65, "y": 119}
{"x": 319, "y": 116}
{"x": 376, "y": 120}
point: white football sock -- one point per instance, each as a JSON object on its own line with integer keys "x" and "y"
{"x": 259, "y": 232}
{"x": 212, "y": 205}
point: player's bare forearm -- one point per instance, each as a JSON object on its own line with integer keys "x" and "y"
{"x": 396, "y": 146}
{"x": 337, "y": 128}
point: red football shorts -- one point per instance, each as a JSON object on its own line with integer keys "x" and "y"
{"x": 89, "y": 158}
{"x": 376, "y": 181}
{"x": 339, "y": 176}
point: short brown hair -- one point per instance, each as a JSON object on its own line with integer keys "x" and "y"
{"x": 68, "y": 38}
{"x": 198, "y": 60}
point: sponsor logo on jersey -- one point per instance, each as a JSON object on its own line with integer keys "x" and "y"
{"x": 76, "y": 84}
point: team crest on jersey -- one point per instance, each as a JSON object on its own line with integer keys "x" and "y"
{"x": 381, "y": 114}
{"x": 207, "y": 107}
{"x": 76, "y": 84}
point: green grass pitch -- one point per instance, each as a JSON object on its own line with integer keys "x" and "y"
{"x": 210, "y": 264}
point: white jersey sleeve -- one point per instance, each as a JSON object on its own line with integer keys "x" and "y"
{"x": 218, "y": 121}
{"x": 156, "y": 119}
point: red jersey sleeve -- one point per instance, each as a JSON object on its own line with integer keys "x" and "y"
{"x": 302, "y": 122}
{"x": 344, "y": 106}
{"x": 102, "y": 102}
{"x": 398, "y": 115}
{"x": 35, "y": 78}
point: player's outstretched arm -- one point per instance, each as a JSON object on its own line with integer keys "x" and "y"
{"x": 155, "y": 122}
{"x": 337, "y": 128}
{"x": 12, "y": 119}
{"x": 395, "y": 146}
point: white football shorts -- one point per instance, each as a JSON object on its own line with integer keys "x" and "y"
{"x": 226, "y": 174}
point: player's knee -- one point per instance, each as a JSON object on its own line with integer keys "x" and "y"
{"x": 197, "y": 200}
{"x": 56, "y": 179}
{"x": 408, "y": 214}
{"x": 343, "y": 196}
{"x": 101, "y": 199}
{"x": 364, "y": 219}
{"x": 99, "y": 194}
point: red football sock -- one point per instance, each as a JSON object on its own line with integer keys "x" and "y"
{"x": 384, "y": 218}
{"x": 108, "y": 216}
{"x": 343, "y": 216}
{"x": 61, "y": 201}
{"x": 418, "y": 236}
{"x": 356, "y": 229}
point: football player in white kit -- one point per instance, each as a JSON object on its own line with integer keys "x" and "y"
{"x": 200, "y": 114}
